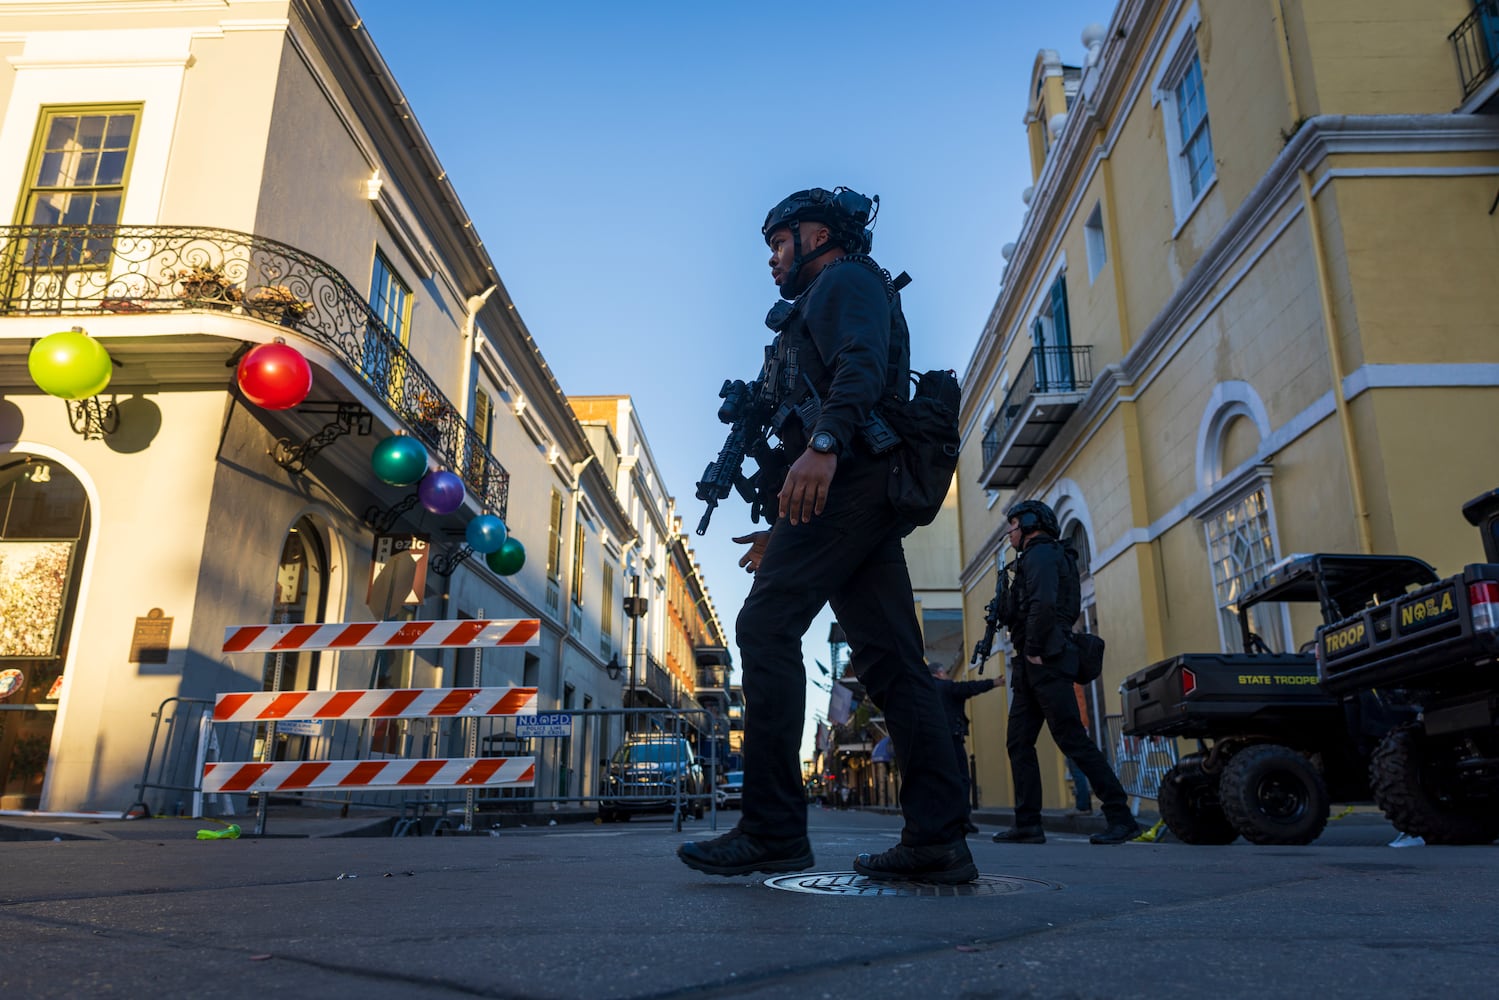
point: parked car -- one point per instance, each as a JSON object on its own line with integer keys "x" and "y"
{"x": 731, "y": 790}
{"x": 652, "y": 774}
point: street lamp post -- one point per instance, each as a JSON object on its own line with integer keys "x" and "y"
{"x": 635, "y": 607}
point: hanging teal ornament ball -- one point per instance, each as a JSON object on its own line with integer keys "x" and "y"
{"x": 399, "y": 460}
{"x": 485, "y": 534}
{"x": 70, "y": 365}
{"x": 508, "y": 558}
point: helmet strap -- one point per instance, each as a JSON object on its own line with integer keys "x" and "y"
{"x": 789, "y": 285}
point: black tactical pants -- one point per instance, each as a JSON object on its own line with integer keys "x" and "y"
{"x": 850, "y": 556}
{"x": 1043, "y": 694}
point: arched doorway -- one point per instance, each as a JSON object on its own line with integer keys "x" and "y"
{"x": 300, "y": 596}
{"x": 44, "y": 525}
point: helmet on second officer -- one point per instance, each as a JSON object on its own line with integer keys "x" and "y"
{"x": 845, "y": 212}
{"x": 1033, "y": 515}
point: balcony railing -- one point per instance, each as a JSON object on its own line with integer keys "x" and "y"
{"x": 1474, "y": 41}
{"x": 1046, "y": 370}
{"x": 65, "y": 270}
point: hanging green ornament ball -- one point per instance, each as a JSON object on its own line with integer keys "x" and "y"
{"x": 508, "y": 558}
{"x": 70, "y": 365}
{"x": 399, "y": 460}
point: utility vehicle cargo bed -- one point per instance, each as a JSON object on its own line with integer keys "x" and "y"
{"x": 1220, "y": 694}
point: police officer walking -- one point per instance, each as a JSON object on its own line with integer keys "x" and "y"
{"x": 835, "y": 539}
{"x": 1045, "y": 602}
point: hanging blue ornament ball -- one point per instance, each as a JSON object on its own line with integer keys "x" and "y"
{"x": 399, "y": 460}
{"x": 441, "y": 492}
{"x": 485, "y": 534}
{"x": 508, "y": 558}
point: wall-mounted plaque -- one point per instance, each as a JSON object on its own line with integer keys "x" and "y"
{"x": 152, "y": 639}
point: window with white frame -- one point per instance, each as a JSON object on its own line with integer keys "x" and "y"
{"x": 1241, "y": 546}
{"x": 1184, "y": 111}
{"x": 1098, "y": 249}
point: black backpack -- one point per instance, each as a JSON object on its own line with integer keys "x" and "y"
{"x": 927, "y": 456}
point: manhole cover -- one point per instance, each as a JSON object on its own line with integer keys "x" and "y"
{"x": 854, "y": 884}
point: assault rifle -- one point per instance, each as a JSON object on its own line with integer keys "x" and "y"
{"x": 984, "y": 648}
{"x": 745, "y": 411}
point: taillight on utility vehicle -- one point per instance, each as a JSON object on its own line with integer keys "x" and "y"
{"x": 1189, "y": 682}
{"x": 1483, "y": 598}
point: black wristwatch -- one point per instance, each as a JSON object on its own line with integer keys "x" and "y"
{"x": 823, "y": 442}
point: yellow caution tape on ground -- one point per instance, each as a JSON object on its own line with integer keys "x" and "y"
{"x": 1153, "y": 834}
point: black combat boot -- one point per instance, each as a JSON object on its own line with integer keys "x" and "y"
{"x": 947, "y": 864}
{"x": 739, "y": 853}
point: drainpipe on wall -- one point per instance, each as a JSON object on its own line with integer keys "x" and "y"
{"x": 470, "y": 343}
{"x": 572, "y": 530}
{"x": 1335, "y": 358}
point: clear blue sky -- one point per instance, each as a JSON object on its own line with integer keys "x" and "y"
{"x": 618, "y": 160}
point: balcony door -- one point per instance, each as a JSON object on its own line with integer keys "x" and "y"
{"x": 1488, "y": 20}
{"x": 1051, "y": 337}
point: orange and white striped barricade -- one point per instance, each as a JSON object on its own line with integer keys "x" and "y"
{"x": 271, "y": 707}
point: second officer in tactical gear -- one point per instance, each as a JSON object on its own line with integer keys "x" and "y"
{"x": 1045, "y": 602}
{"x": 841, "y": 349}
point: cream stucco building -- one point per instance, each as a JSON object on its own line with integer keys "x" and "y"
{"x": 1247, "y": 314}
{"x": 174, "y": 169}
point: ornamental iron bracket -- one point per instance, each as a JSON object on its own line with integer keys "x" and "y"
{"x": 381, "y": 521}
{"x": 93, "y": 417}
{"x": 348, "y": 418}
{"x": 444, "y": 564}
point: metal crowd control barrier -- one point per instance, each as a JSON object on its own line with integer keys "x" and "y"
{"x": 1140, "y": 761}
{"x": 390, "y": 771}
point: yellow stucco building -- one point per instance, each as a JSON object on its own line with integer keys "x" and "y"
{"x": 1248, "y": 314}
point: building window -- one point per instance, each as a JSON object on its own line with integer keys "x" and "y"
{"x": 554, "y": 540}
{"x": 1098, "y": 249}
{"x": 1183, "y": 101}
{"x": 80, "y": 161}
{"x": 390, "y": 300}
{"x": 606, "y": 606}
{"x": 1192, "y": 128}
{"x": 579, "y": 534}
{"x": 1241, "y": 546}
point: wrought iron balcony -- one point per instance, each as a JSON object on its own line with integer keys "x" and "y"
{"x": 1050, "y": 385}
{"x": 69, "y": 270}
{"x": 1474, "y": 40}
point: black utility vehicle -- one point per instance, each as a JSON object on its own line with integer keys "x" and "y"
{"x": 1435, "y": 776}
{"x": 1275, "y": 748}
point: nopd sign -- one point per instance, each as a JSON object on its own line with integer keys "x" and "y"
{"x": 551, "y": 724}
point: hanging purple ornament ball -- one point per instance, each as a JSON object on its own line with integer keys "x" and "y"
{"x": 485, "y": 534}
{"x": 441, "y": 492}
{"x": 399, "y": 460}
{"x": 508, "y": 558}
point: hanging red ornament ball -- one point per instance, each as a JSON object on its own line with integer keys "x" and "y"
{"x": 275, "y": 376}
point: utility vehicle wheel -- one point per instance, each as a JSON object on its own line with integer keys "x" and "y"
{"x": 1417, "y": 793}
{"x": 1273, "y": 795}
{"x": 1188, "y": 800}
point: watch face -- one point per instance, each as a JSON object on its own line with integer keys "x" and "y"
{"x": 822, "y": 441}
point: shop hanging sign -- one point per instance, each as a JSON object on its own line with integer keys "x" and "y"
{"x": 398, "y": 572}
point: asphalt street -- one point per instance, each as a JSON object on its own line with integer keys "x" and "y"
{"x": 582, "y": 910}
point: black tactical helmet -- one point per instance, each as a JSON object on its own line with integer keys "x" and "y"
{"x": 1034, "y": 515}
{"x": 846, "y": 213}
